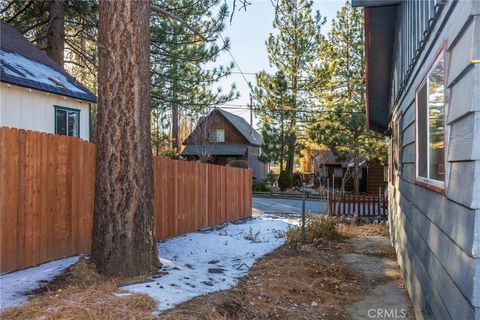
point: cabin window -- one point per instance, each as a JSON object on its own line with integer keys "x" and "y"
{"x": 338, "y": 172}
{"x": 67, "y": 121}
{"x": 217, "y": 135}
{"x": 430, "y": 100}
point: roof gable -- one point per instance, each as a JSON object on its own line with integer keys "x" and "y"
{"x": 251, "y": 136}
{"x": 25, "y": 65}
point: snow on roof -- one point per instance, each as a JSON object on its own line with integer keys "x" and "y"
{"x": 23, "y": 64}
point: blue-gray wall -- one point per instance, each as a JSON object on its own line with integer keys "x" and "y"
{"x": 437, "y": 235}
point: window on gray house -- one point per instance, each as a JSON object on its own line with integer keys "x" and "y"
{"x": 67, "y": 121}
{"x": 431, "y": 125}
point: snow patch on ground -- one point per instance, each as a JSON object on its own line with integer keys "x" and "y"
{"x": 193, "y": 264}
{"x": 14, "y": 286}
{"x": 203, "y": 262}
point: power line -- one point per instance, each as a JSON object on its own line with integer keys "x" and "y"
{"x": 236, "y": 63}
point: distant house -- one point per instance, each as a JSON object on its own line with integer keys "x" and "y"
{"x": 423, "y": 90}
{"x": 222, "y": 137}
{"x": 37, "y": 94}
{"x": 372, "y": 175}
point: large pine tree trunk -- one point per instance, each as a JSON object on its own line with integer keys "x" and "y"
{"x": 56, "y": 32}
{"x": 123, "y": 234}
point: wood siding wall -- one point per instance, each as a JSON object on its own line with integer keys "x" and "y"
{"x": 32, "y": 109}
{"x": 437, "y": 234}
{"x": 232, "y": 136}
{"x": 47, "y": 194}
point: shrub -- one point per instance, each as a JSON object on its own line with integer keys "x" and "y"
{"x": 315, "y": 228}
{"x": 284, "y": 181}
{"x": 271, "y": 178}
{"x": 259, "y": 186}
{"x": 297, "y": 179}
{"x": 238, "y": 164}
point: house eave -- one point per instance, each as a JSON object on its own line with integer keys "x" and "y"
{"x": 86, "y": 98}
{"x": 373, "y": 3}
{"x": 379, "y": 40}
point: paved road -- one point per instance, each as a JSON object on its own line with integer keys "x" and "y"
{"x": 273, "y": 205}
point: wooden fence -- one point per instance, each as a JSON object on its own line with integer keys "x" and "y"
{"x": 47, "y": 195}
{"x": 361, "y": 205}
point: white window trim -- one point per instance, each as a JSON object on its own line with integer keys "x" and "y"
{"x": 426, "y": 180}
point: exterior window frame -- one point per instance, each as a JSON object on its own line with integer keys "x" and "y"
{"x": 215, "y": 133}
{"x": 433, "y": 184}
{"x": 67, "y": 110}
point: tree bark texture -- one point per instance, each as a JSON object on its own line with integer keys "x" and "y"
{"x": 56, "y": 32}
{"x": 123, "y": 234}
{"x": 175, "y": 137}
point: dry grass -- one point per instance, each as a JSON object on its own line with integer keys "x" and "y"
{"x": 367, "y": 229}
{"x": 301, "y": 283}
{"x": 81, "y": 293}
{"x": 316, "y": 228}
{"x": 84, "y": 303}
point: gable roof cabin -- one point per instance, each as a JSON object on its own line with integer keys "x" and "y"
{"x": 228, "y": 137}
{"x": 24, "y": 66}
{"x": 242, "y": 127}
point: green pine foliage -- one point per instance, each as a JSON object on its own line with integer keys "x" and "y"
{"x": 283, "y": 98}
{"x": 341, "y": 121}
{"x": 180, "y": 77}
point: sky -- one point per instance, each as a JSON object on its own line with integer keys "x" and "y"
{"x": 247, "y": 33}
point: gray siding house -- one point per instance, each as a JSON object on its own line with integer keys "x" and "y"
{"x": 423, "y": 90}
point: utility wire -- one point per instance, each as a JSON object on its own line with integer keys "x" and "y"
{"x": 236, "y": 63}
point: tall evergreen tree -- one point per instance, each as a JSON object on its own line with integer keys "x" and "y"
{"x": 123, "y": 236}
{"x": 181, "y": 83}
{"x": 292, "y": 51}
{"x": 341, "y": 125}
{"x": 272, "y": 108}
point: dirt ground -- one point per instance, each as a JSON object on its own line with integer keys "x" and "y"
{"x": 342, "y": 279}
{"x": 328, "y": 280}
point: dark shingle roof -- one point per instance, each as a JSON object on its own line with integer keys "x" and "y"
{"x": 23, "y": 64}
{"x": 219, "y": 149}
{"x": 254, "y": 138}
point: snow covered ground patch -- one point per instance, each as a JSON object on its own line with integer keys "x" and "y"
{"x": 14, "y": 286}
{"x": 202, "y": 262}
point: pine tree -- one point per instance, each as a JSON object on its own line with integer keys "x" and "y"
{"x": 123, "y": 236}
{"x": 272, "y": 108}
{"x": 292, "y": 51}
{"x": 181, "y": 83}
{"x": 341, "y": 125}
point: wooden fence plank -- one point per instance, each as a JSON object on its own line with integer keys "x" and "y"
{"x": 47, "y": 187}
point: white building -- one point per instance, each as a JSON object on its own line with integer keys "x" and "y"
{"x": 37, "y": 94}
